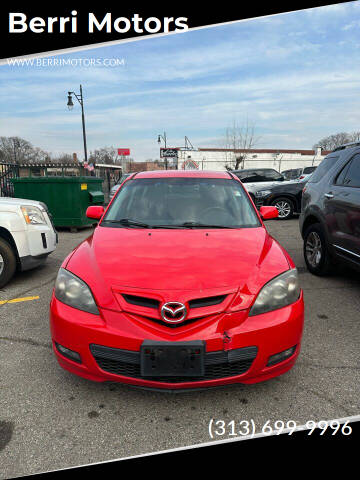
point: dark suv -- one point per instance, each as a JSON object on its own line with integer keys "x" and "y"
{"x": 330, "y": 218}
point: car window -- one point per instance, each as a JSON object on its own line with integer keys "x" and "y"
{"x": 253, "y": 176}
{"x": 323, "y": 168}
{"x": 271, "y": 175}
{"x": 296, "y": 173}
{"x": 175, "y": 201}
{"x": 308, "y": 170}
{"x": 292, "y": 174}
{"x": 341, "y": 176}
{"x": 247, "y": 176}
{"x": 267, "y": 175}
{"x": 352, "y": 174}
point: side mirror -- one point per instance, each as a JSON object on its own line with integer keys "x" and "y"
{"x": 95, "y": 212}
{"x": 267, "y": 213}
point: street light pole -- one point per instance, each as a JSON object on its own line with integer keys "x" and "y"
{"x": 163, "y": 137}
{"x": 80, "y": 99}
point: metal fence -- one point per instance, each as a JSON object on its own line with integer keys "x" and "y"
{"x": 7, "y": 172}
{"x": 109, "y": 174}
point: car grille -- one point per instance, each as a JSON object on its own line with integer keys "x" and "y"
{"x": 217, "y": 364}
{"x": 152, "y": 303}
{"x": 206, "y": 302}
{"x": 141, "y": 301}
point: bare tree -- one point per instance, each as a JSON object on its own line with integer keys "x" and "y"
{"x": 40, "y": 155}
{"x": 18, "y": 150}
{"x": 63, "y": 158}
{"x": 108, "y": 155}
{"x": 240, "y": 139}
{"x": 337, "y": 139}
{"x": 354, "y": 136}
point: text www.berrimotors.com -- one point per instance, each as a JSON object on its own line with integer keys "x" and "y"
{"x": 248, "y": 428}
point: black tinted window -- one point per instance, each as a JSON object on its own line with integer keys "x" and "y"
{"x": 352, "y": 176}
{"x": 341, "y": 177}
{"x": 259, "y": 176}
{"x": 271, "y": 175}
{"x": 323, "y": 168}
{"x": 308, "y": 170}
{"x": 246, "y": 176}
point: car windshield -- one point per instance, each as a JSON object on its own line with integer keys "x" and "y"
{"x": 178, "y": 202}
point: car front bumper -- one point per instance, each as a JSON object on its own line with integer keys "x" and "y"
{"x": 121, "y": 335}
{"x": 34, "y": 244}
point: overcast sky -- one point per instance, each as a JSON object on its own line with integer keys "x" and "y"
{"x": 296, "y": 76}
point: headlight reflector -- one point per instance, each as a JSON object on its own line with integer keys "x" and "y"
{"x": 279, "y": 292}
{"x": 73, "y": 291}
{"x": 33, "y": 215}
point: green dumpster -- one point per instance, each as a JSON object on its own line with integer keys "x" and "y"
{"x": 67, "y": 198}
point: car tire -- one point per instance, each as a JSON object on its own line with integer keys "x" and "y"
{"x": 285, "y": 207}
{"x": 7, "y": 262}
{"x": 316, "y": 253}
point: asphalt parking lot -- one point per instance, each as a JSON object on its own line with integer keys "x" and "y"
{"x": 51, "y": 419}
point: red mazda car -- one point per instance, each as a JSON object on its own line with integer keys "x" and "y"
{"x": 180, "y": 286}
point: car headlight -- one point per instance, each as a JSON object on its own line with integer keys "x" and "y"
{"x": 73, "y": 291}
{"x": 33, "y": 215}
{"x": 262, "y": 193}
{"x": 279, "y": 292}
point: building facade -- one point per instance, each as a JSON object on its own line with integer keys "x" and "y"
{"x": 223, "y": 158}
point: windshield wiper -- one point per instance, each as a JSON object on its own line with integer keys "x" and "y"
{"x": 201, "y": 225}
{"x": 127, "y": 222}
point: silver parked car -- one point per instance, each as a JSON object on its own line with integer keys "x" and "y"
{"x": 299, "y": 174}
{"x": 306, "y": 173}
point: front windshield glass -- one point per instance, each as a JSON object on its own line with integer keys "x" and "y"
{"x": 175, "y": 202}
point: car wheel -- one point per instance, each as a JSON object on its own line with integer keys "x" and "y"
{"x": 285, "y": 208}
{"x": 316, "y": 253}
{"x": 7, "y": 262}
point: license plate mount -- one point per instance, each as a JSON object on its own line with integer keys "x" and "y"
{"x": 171, "y": 359}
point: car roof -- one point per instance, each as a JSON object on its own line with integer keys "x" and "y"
{"x": 183, "y": 174}
{"x": 346, "y": 146}
{"x": 253, "y": 170}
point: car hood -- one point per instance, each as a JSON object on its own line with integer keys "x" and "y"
{"x": 176, "y": 260}
{"x": 20, "y": 201}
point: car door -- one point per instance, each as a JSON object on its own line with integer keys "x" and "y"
{"x": 342, "y": 210}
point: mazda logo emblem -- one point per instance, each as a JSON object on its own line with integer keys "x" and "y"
{"x": 173, "y": 312}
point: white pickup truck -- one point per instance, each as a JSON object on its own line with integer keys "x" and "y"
{"x": 27, "y": 236}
